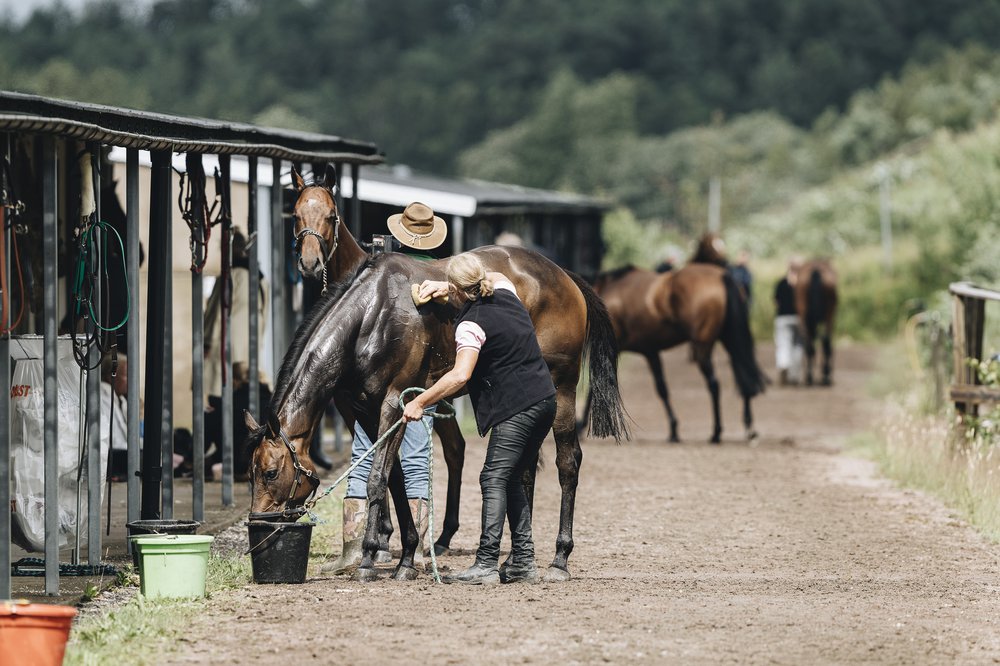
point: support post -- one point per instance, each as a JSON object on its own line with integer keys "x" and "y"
{"x": 278, "y": 271}
{"x": 94, "y": 444}
{"x": 50, "y": 280}
{"x": 5, "y": 516}
{"x": 227, "y": 334}
{"x": 195, "y": 169}
{"x": 132, "y": 331}
{"x": 253, "y": 316}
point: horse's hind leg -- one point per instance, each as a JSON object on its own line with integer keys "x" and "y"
{"x": 581, "y": 424}
{"x": 453, "y": 444}
{"x": 656, "y": 367}
{"x": 703, "y": 353}
{"x": 827, "y": 357}
{"x": 569, "y": 457}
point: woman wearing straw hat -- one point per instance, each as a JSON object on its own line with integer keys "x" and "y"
{"x": 416, "y": 231}
{"x": 513, "y": 396}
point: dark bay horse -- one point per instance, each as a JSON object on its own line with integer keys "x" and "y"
{"x": 699, "y": 303}
{"x": 367, "y": 340}
{"x": 816, "y": 304}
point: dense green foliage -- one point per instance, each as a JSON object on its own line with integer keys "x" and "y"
{"x": 427, "y": 78}
{"x": 791, "y": 104}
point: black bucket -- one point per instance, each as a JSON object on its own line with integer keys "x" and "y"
{"x": 279, "y": 552}
{"x": 143, "y": 527}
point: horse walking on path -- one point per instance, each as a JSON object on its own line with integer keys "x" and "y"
{"x": 700, "y": 303}
{"x": 365, "y": 342}
{"x": 816, "y": 304}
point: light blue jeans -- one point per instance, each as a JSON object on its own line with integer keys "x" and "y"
{"x": 412, "y": 454}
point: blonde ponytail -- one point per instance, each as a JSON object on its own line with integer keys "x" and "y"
{"x": 468, "y": 274}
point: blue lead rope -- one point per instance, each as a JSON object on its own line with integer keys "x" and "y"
{"x": 430, "y": 467}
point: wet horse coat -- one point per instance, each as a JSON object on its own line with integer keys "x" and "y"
{"x": 368, "y": 341}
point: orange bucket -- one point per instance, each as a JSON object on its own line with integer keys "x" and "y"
{"x": 34, "y": 633}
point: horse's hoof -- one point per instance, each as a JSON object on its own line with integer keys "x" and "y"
{"x": 404, "y": 573}
{"x": 383, "y": 556}
{"x": 440, "y": 550}
{"x": 365, "y": 575}
{"x": 674, "y": 439}
{"x": 556, "y": 575}
{"x": 751, "y": 435}
{"x": 716, "y": 439}
{"x": 827, "y": 381}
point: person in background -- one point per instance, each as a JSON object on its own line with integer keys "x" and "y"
{"x": 114, "y": 430}
{"x": 239, "y": 326}
{"x": 787, "y": 338}
{"x": 741, "y": 273}
{"x": 514, "y": 399}
{"x": 415, "y": 232}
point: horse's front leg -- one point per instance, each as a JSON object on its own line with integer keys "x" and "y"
{"x": 378, "y": 482}
{"x": 569, "y": 457}
{"x": 453, "y": 444}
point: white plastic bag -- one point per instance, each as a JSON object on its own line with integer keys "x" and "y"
{"x": 27, "y": 452}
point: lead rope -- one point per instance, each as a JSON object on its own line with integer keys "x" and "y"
{"x": 430, "y": 468}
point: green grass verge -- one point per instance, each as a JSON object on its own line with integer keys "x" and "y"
{"x": 930, "y": 451}
{"x": 138, "y": 631}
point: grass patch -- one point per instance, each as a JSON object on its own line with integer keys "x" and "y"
{"x": 135, "y": 632}
{"x": 931, "y": 451}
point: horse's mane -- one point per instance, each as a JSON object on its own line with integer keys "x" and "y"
{"x": 305, "y": 332}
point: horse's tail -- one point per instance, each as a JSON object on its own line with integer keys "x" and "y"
{"x": 608, "y": 417}
{"x": 738, "y": 340}
{"x": 815, "y": 301}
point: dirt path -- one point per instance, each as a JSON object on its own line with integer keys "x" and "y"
{"x": 785, "y": 552}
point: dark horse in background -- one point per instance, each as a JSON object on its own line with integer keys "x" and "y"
{"x": 700, "y": 304}
{"x": 816, "y": 304}
{"x": 365, "y": 340}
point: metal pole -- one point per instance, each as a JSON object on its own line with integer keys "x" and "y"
{"x": 278, "y": 274}
{"x": 253, "y": 401}
{"x": 457, "y": 233}
{"x": 50, "y": 246}
{"x": 195, "y": 169}
{"x": 157, "y": 381}
{"x": 715, "y": 204}
{"x": 355, "y": 201}
{"x": 132, "y": 331}
{"x": 5, "y": 516}
{"x": 95, "y": 478}
{"x": 227, "y": 337}
{"x": 167, "y": 431}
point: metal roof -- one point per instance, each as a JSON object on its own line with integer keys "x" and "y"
{"x": 400, "y": 185}
{"x": 158, "y": 131}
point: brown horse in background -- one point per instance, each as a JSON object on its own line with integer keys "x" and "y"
{"x": 711, "y": 249}
{"x": 816, "y": 304}
{"x": 699, "y": 303}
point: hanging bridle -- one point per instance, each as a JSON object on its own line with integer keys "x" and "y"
{"x": 327, "y": 254}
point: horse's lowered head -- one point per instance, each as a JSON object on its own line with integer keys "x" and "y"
{"x": 282, "y": 476}
{"x": 317, "y": 222}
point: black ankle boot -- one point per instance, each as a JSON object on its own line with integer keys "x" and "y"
{"x": 318, "y": 457}
{"x": 477, "y": 574}
{"x": 514, "y": 571}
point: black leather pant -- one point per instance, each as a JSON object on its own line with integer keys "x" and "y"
{"x": 512, "y": 449}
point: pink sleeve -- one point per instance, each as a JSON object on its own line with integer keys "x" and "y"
{"x": 469, "y": 334}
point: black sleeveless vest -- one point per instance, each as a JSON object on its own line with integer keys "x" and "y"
{"x": 510, "y": 374}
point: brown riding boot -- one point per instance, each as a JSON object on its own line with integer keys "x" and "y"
{"x": 355, "y": 520}
{"x": 420, "y": 510}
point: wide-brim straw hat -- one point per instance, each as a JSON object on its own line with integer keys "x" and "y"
{"x": 418, "y": 227}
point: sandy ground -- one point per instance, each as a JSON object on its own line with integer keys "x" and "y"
{"x": 783, "y": 552}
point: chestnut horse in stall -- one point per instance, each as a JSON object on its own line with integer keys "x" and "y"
{"x": 700, "y": 303}
{"x": 365, "y": 340}
{"x": 816, "y": 304}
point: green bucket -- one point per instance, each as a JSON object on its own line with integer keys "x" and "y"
{"x": 173, "y": 565}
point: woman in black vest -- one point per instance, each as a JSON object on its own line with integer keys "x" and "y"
{"x": 512, "y": 392}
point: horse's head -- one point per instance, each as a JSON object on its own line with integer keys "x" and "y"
{"x": 317, "y": 222}
{"x": 282, "y": 476}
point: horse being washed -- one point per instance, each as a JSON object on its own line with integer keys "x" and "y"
{"x": 816, "y": 304}
{"x": 700, "y": 303}
{"x": 366, "y": 339}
